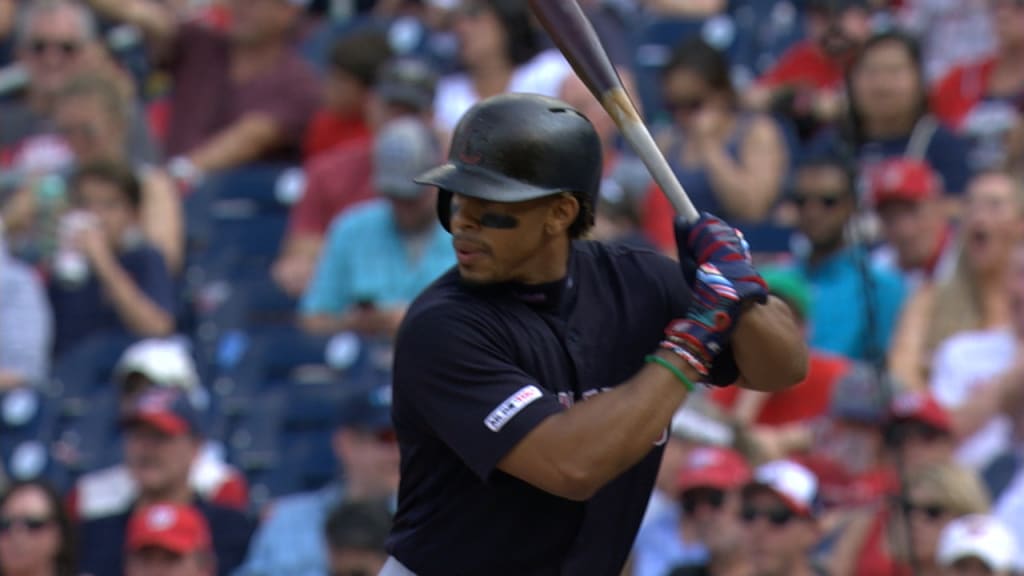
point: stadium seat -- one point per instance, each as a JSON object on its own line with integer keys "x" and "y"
{"x": 28, "y": 421}
{"x": 90, "y": 440}
{"x": 86, "y": 369}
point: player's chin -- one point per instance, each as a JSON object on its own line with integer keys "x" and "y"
{"x": 474, "y": 275}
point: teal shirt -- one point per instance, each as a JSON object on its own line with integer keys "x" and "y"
{"x": 366, "y": 260}
{"x": 839, "y": 322}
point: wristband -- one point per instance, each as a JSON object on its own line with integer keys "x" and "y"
{"x": 686, "y": 355}
{"x": 676, "y": 371}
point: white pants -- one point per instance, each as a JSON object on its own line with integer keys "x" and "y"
{"x": 395, "y": 568}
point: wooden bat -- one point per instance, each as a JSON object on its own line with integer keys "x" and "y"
{"x": 574, "y": 35}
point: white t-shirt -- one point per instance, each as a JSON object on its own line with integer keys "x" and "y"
{"x": 962, "y": 363}
{"x": 543, "y": 74}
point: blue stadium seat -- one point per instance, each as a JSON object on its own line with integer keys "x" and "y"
{"x": 28, "y": 422}
{"x": 91, "y": 440}
{"x": 86, "y": 369}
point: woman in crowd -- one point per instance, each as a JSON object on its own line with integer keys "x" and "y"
{"x": 35, "y": 533}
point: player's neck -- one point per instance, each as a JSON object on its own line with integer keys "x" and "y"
{"x": 550, "y": 264}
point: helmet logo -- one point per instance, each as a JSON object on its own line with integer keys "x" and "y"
{"x": 468, "y": 155}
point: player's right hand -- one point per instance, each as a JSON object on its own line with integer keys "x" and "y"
{"x": 709, "y": 240}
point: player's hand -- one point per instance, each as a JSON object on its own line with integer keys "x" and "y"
{"x": 709, "y": 240}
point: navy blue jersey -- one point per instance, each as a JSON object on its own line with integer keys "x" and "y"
{"x": 476, "y": 368}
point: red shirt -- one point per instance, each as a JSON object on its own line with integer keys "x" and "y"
{"x": 805, "y": 401}
{"x": 657, "y": 216}
{"x": 328, "y": 130}
{"x": 960, "y": 90}
{"x": 805, "y": 64}
{"x": 874, "y": 559}
{"x": 334, "y": 181}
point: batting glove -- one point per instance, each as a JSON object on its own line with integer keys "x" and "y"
{"x": 709, "y": 240}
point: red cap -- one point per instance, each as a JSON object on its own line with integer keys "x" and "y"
{"x": 173, "y": 527}
{"x": 166, "y": 409}
{"x": 921, "y": 407}
{"x": 713, "y": 467}
{"x": 903, "y": 179}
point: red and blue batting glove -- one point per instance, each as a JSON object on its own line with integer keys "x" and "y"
{"x": 716, "y": 263}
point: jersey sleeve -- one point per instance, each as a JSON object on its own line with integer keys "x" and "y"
{"x": 453, "y": 372}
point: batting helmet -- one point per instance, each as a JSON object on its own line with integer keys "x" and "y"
{"x": 517, "y": 147}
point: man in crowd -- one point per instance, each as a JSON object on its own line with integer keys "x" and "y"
{"x": 162, "y": 438}
{"x": 169, "y": 540}
{"x": 779, "y": 517}
{"x": 977, "y": 544}
{"x": 356, "y": 533}
{"x": 291, "y": 538}
{"x": 27, "y": 326}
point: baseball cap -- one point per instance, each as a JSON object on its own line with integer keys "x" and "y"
{"x": 700, "y": 421}
{"x": 903, "y": 179}
{"x": 713, "y": 467}
{"x": 978, "y": 536}
{"x": 920, "y": 407}
{"x": 403, "y": 149}
{"x": 857, "y": 396}
{"x": 164, "y": 362}
{"x": 789, "y": 285}
{"x": 793, "y": 483}
{"x": 407, "y": 81}
{"x": 166, "y": 409}
{"x": 368, "y": 409}
{"x": 173, "y": 527}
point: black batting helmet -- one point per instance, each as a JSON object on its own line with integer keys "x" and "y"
{"x": 517, "y": 147}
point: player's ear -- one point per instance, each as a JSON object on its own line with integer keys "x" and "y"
{"x": 562, "y": 214}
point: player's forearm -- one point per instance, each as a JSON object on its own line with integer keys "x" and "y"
{"x": 769, "y": 347}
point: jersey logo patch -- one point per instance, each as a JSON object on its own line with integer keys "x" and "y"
{"x": 511, "y": 406}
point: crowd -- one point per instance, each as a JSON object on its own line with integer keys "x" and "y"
{"x": 208, "y": 214}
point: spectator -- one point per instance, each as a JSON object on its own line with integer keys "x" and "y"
{"x": 500, "y": 51}
{"x": 90, "y": 113}
{"x": 683, "y": 8}
{"x": 824, "y": 195}
{"x": 889, "y": 114}
{"x": 709, "y": 487}
{"x": 982, "y": 99}
{"x": 808, "y": 399}
{"x": 731, "y": 163}
{"x": 169, "y": 539}
{"x": 161, "y": 442}
{"x": 264, "y": 90}
{"x": 123, "y": 284}
{"x": 356, "y": 534}
{"x": 36, "y": 536}
{"x": 290, "y": 540}
{"x": 976, "y": 544}
{"x": 344, "y": 176}
{"x": 919, "y": 237}
{"x": 55, "y": 40}
{"x": 974, "y": 297}
{"x": 380, "y": 255}
{"x": 952, "y": 34}
{"x": 779, "y": 519}
{"x": 806, "y": 83}
{"x": 355, "y": 60}
{"x": 919, "y": 430}
{"x": 142, "y": 367}
{"x": 26, "y": 330}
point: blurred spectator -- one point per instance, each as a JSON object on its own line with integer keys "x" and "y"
{"x": 354, "y": 62}
{"x": 732, "y": 163}
{"x": 343, "y": 176}
{"x": 501, "y": 51}
{"x": 26, "y": 330}
{"x": 107, "y": 277}
{"x": 982, "y": 100}
{"x": 684, "y": 8}
{"x": 162, "y": 439}
{"x": 919, "y": 430}
{"x": 290, "y": 540}
{"x": 169, "y": 540}
{"x": 889, "y": 114}
{"x": 89, "y": 112}
{"x": 356, "y": 534}
{"x": 8, "y": 13}
{"x": 144, "y": 366}
{"x": 381, "y": 254}
{"x": 951, "y": 33}
{"x": 709, "y": 486}
{"x": 975, "y": 296}
{"x": 976, "y": 545}
{"x": 919, "y": 237}
{"x": 264, "y": 92}
{"x": 824, "y": 194}
{"x": 808, "y": 399}
{"x": 807, "y": 82}
{"x": 779, "y": 514}
{"x": 55, "y": 39}
{"x": 36, "y": 536}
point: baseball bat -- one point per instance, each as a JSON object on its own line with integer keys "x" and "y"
{"x": 574, "y": 35}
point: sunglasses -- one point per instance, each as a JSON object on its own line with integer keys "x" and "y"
{"x": 930, "y": 511}
{"x": 777, "y": 516}
{"x": 898, "y": 434}
{"x": 685, "y": 105}
{"x": 28, "y": 523}
{"x": 693, "y": 499}
{"x": 66, "y": 48}
{"x": 827, "y": 200}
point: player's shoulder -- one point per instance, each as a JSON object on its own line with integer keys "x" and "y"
{"x": 634, "y": 260}
{"x": 446, "y": 301}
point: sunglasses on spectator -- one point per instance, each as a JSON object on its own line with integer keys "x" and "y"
{"x": 932, "y": 512}
{"x": 66, "y": 48}
{"x": 28, "y": 523}
{"x": 384, "y": 435}
{"x": 777, "y": 516}
{"x": 824, "y": 199}
{"x": 685, "y": 105}
{"x": 694, "y": 498}
{"x": 899, "y": 433}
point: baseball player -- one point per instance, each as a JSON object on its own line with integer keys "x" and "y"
{"x": 535, "y": 381}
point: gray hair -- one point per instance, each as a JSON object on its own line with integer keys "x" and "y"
{"x": 31, "y": 12}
